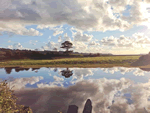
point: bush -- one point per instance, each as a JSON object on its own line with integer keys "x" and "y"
{"x": 8, "y": 100}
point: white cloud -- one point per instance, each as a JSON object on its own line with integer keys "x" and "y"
{"x": 18, "y": 29}
{"x": 59, "y": 39}
{"x": 51, "y": 46}
{"x": 110, "y": 44}
{"x": 80, "y": 46}
{"x": 57, "y": 33}
{"x": 93, "y": 43}
{"x": 80, "y": 37}
{"x": 33, "y": 42}
{"x": 66, "y": 37}
{"x": 92, "y": 15}
{"x": 138, "y": 13}
{"x": 137, "y": 40}
{"x": 147, "y": 1}
{"x": 56, "y": 29}
{"x": 17, "y": 46}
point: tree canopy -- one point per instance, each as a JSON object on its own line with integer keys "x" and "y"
{"x": 66, "y": 45}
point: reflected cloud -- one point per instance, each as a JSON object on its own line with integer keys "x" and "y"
{"x": 20, "y": 83}
{"x": 56, "y": 78}
{"x": 51, "y": 84}
{"x": 80, "y": 73}
{"x": 124, "y": 70}
{"x": 107, "y": 96}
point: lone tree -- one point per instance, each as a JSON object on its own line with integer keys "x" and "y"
{"x": 67, "y": 45}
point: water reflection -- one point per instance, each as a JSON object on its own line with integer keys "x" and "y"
{"x": 107, "y": 96}
{"x": 124, "y": 70}
{"x": 55, "y": 70}
{"x": 87, "y": 107}
{"x": 145, "y": 69}
{"x": 66, "y": 73}
{"x": 18, "y": 69}
{"x": 111, "y": 90}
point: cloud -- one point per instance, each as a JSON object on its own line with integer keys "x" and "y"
{"x": 93, "y": 43}
{"x": 57, "y": 33}
{"x": 138, "y": 40}
{"x": 17, "y": 29}
{"x": 80, "y": 46}
{"x": 57, "y": 30}
{"x": 20, "y": 83}
{"x": 33, "y": 42}
{"x": 66, "y": 38}
{"x": 59, "y": 39}
{"x": 110, "y": 44}
{"x": 49, "y": 37}
{"x": 138, "y": 13}
{"x": 147, "y": 1}
{"x": 16, "y": 46}
{"x": 92, "y": 15}
{"x": 80, "y": 37}
{"x": 106, "y": 95}
{"x": 50, "y": 46}
{"x": 50, "y": 84}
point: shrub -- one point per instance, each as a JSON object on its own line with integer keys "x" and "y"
{"x": 8, "y": 100}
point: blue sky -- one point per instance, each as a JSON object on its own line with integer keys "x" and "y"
{"x": 117, "y": 27}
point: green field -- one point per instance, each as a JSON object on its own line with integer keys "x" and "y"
{"x": 74, "y": 62}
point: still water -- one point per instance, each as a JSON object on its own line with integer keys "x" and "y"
{"x": 111, "y": 90}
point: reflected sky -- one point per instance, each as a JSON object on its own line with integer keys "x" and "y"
{"x": 116, "y": 89}
{"x": 48, "y": 77}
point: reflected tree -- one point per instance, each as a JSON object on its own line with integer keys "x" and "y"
{"x": 8, "y": 70}
{"x": 17, "y": 69}
{"x": 26, "y": 69}
{"x": 66, "y": 73}
{"x": 35, "y": 69}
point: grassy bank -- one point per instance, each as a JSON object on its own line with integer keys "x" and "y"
{"x": 74, "y": 62}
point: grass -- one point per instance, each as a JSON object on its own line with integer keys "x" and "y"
{"x": 74, "y": 62}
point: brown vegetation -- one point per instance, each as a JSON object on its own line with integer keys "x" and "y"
{"x": 142, "y": 61}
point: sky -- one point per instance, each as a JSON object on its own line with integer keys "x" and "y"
{"x": 93, "y": 26}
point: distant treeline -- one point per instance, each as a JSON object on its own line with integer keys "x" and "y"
{"x": 9, "y": 54}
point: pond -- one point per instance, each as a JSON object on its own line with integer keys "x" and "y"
{"x": 115, "y": 90}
